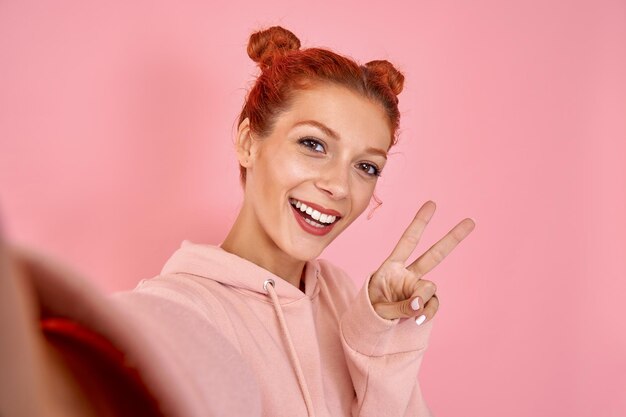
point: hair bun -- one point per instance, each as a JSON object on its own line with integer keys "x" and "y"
{"x": 385, "y": 72}
{"x": 265, "y": 45}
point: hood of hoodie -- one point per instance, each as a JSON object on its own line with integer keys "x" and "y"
{"x": 214, "y": 263}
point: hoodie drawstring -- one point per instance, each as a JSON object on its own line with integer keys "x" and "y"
{"x": 268, "y": 286}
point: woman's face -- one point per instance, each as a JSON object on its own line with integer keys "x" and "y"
{"x": 323, "y": 157}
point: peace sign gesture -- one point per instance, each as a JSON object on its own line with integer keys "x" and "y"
{"x": 398, "y": 291}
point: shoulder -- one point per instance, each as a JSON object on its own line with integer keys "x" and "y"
{"x": 202, "y": 296}
{"x": 178, "y": 346}
{"x": 180, "y": 288}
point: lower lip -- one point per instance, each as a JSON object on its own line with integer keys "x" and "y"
{"x": 317, "y": 231}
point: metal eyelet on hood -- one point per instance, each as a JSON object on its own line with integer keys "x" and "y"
{"x": 269, "y": 281}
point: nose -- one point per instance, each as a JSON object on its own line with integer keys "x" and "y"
{"x": 334, "y": 180}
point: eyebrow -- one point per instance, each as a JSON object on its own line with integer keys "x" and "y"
{"x": 329, "y": 132}
{"x": 321, "y": 126}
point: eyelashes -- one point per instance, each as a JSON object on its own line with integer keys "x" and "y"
{"x": 317, "y": 146}
{"x": 312, "y": 144}
{"x": 370, "y": 169}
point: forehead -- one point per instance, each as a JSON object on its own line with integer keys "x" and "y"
{"x": 348, "y": 113}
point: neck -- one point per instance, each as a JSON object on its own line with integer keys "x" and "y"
{"x": 248, "y": 242}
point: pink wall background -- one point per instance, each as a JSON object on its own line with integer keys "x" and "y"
{"x": 116, "y": 126}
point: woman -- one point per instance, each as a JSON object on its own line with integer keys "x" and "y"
{"x": 312, "y": 140}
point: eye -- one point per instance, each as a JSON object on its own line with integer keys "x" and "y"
{"x": 312, "y": 144}
{"x": 369, "y": 169}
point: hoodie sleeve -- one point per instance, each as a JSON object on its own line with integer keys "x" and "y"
{"x": 384, "y": 358}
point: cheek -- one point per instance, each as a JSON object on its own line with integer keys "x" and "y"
{"x": 289, "y": 169}
{"x": 361, "y": 196}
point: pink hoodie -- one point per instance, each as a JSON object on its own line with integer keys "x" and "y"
{"x": 324, "y": 352}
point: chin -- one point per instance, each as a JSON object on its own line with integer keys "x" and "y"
{"x": 303, "y": 249}
{"x": 304, "y": 254}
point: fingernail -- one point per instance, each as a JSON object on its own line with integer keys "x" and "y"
{"x": 415, "y": 304}
{"x": 420, "y": 319}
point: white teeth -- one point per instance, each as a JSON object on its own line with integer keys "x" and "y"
{"x": 312, "y": 223}
{"x": 317, "y": 215}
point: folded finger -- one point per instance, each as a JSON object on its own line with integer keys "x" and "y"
{"x": 409, "y": 307}
{"x": 430, "y": 309}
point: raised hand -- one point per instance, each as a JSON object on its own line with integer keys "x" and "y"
{"x": 399, "y": 291}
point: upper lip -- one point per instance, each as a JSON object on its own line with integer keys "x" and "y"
{"x": 319, "y": 208}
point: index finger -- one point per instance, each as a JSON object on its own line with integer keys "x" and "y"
{"x": 411, "y": 236}
{"x": 437, "y": 252}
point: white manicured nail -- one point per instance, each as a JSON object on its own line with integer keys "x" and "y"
{"x": 420, "y": 319}
{"x": 415, "y": 304}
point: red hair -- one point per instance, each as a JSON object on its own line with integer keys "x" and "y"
{"x": 285, "y": 68}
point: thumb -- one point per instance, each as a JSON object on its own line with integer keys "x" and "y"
{"x": 399, "y": 309}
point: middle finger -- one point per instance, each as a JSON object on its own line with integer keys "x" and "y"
{"x": 437, "y": 252}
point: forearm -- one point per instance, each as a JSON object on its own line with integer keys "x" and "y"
{"x": 35, "y": 380}
{"x": 388, "y": 385}
{"x": 384, "y": 359}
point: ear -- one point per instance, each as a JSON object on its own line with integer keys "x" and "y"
{"x": 244, "y": 144}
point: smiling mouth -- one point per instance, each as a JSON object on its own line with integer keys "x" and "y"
{"x": 312, "y": 216}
